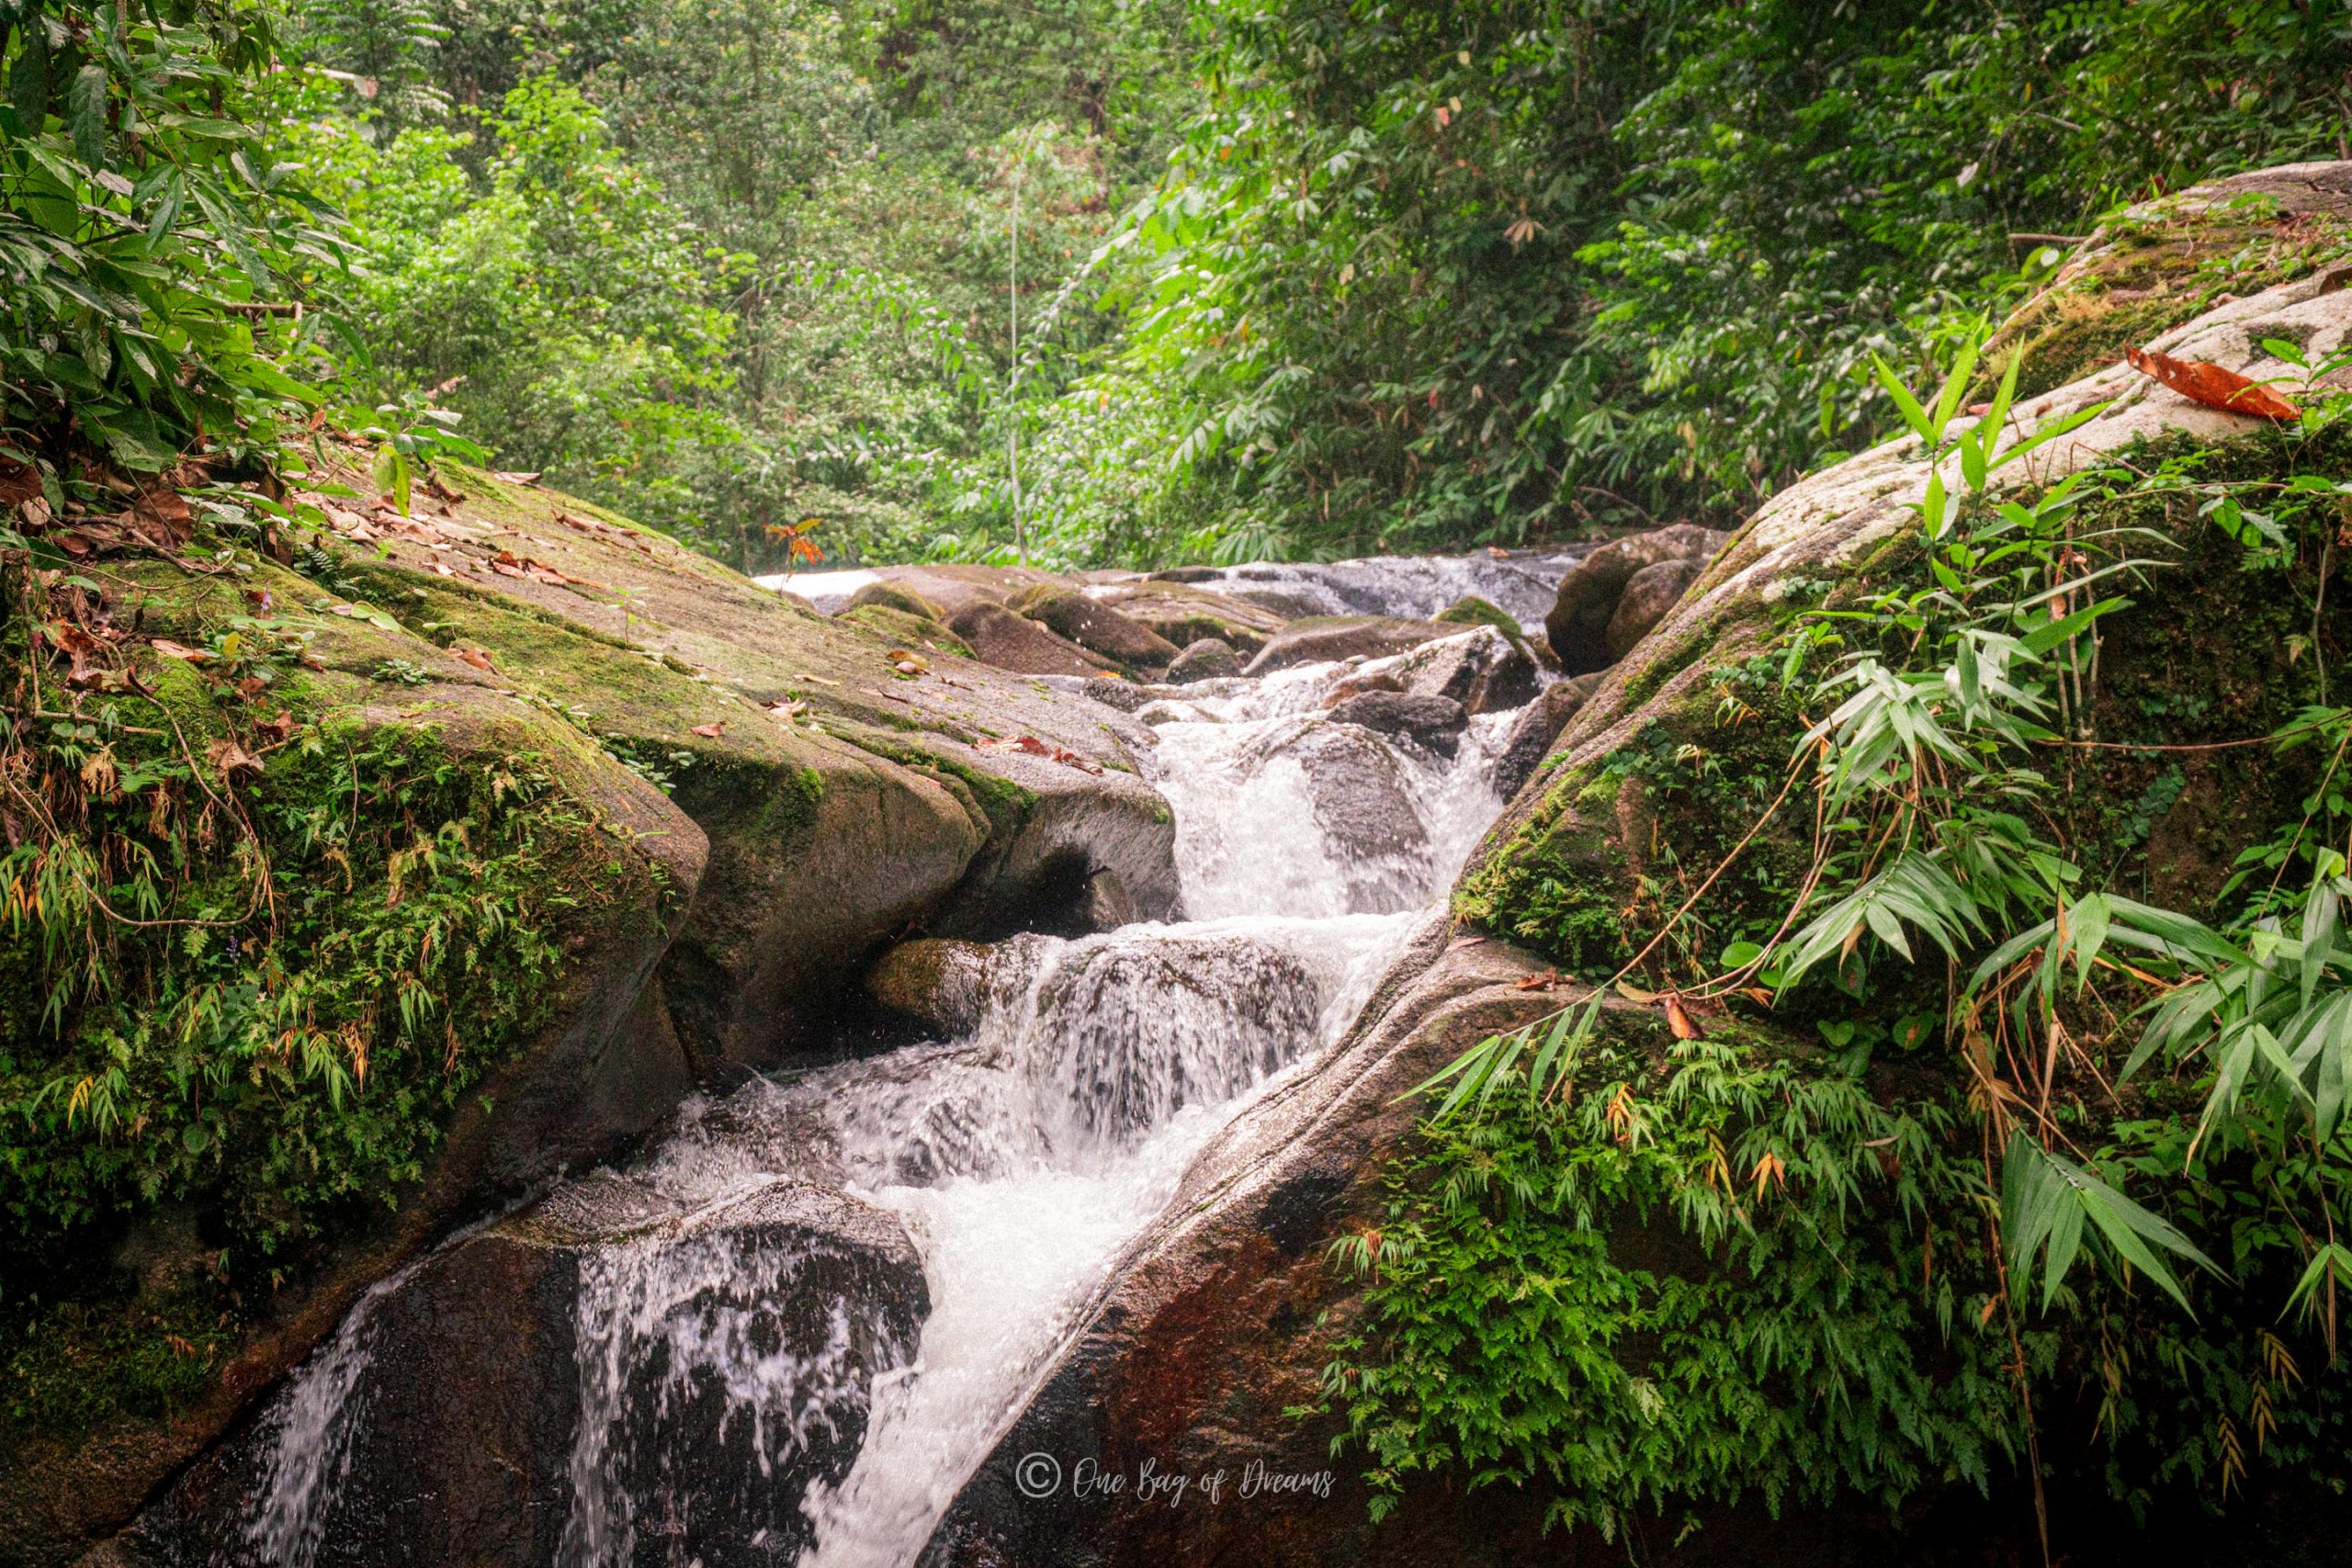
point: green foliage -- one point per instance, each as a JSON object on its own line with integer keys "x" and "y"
{"x": 1424, "y": 277}
{"x": 276, "y": 1054}
{"x": 1694, "y": 1275}
{"x": 252, "y": 956}
{"x": 145, "y": 232}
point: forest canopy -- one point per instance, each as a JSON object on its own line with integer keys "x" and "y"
{"x": 1101, "y": 281}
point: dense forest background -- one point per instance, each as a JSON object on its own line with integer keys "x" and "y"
{"x": 1135, "y": 281}
{"x": 1299, "y": 276}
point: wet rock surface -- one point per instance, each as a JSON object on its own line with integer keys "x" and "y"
{"x": 1322, "y": 639}
{"x": 601, "y": 1379}
{"x": 1434, "y": 722}
{"x": 1481, "y": 670}
{"x": 942, "y": 982}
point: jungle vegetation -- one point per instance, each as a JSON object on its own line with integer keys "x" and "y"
{"x": 1132, "y": 282}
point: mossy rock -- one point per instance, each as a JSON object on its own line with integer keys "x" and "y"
{"x": 2163, "y": 262}
{"x": 739, "y": 832}
{"x": 1685, "y": 747}
{"x": 1472, "y": 611}
{"x": 894, "y": 596}
{"x": 903, "y": 629}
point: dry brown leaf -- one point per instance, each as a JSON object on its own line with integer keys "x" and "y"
{"x": 711, "y": 731}
{"x": 18, "y": 482}
{"x": 170, "y": 649}
{"x": 513, "y": 477}
{"x": 1543, "y": 982}
{"x": 478, "y": 658}
{"x": 1037, "y": 748}
{"x": 2201, "y": 381}
{"x": 228, "y": 759}
{"x": 1678, "y": 1019}
{"x": 160, "y": 518}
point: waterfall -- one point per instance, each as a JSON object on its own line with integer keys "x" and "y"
{"x": 744, "y": 1386}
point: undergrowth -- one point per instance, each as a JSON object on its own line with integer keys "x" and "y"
{"x": 1965, "y": 835}
{"x": 254, "y": 953}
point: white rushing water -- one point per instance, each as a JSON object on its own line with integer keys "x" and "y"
{"x": 1021, "y": 1159}
{"x": 1118, "y": 1057}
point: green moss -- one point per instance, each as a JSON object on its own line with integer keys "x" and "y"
{"x": 83, "y": 1365}
{"x": 1000, "y": 802}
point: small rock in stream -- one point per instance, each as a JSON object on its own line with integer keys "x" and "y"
{"x": 1204, "y": 660}
{"x": 1434, "y": 722}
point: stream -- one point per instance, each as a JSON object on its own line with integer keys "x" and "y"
{"x": 729, "y": 1353}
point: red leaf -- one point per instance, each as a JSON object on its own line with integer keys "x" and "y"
{"x": 2201, "y": 381}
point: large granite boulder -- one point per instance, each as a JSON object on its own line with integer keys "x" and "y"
{"x": 1009, "y": 640}
{"x": 1649, "y": 594}
{"x": 1205, "y": 659}
{"x": 1434, "y": 722}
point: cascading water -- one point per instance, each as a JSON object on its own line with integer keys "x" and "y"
{"x": 730, "y": 1358}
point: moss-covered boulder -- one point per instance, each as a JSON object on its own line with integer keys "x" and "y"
{"x": 897, "y": 596}
{"x": 486, "y": 834}
{"x": 917, "y": 633}
{"x": 1656, "y": 835}
{"x": 2162, "y": 263}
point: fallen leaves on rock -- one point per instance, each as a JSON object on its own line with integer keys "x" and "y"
{"x": 2201, "y": 381}
{"x": 1037, "y": 748}
{"x": 228, "y": 759}
{"x": 478, "y": 658}
{"x": 1548, "y": 980}
{"x": 711, "y": 731}
{"x": 908, "y": 662}
{"x": 171, "y": 649}
{"x": 513, "y": 478}
{"x": 507, "y": 563}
